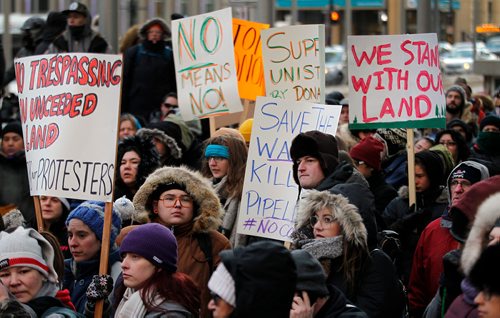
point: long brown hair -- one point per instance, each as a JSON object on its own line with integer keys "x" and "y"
{"x": 238, "y": 153}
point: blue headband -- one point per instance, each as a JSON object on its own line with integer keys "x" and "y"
{"x": 217, "y": 151}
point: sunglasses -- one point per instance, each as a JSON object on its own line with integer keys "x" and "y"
{"x": 215, "y": 298}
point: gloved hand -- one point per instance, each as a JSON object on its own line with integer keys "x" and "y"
{"x": 100, "y": 288}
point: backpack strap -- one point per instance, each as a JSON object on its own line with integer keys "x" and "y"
{"x": 205, "y": 244}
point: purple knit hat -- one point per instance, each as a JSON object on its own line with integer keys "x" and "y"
{"x": 154, "y": 242}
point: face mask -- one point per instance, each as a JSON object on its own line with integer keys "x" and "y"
{"x": 488, "y": 142}
{"x": 77, "y": 31}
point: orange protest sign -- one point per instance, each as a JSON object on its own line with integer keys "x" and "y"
{"x": 248, "y": 56}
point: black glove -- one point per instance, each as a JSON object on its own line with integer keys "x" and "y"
{"x": 100, "y": 288}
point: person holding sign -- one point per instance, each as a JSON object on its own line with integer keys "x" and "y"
{"x": 85, "y": 225}
{"x": 225, "y": 163}
{"x": 185, "y": 202}
{"x": 152, "y": 286}
{"x": 332, "y": 230}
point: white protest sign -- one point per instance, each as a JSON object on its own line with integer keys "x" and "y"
{"x": 69, "y": 113}
{"x": 268, "y": 203}
{"x": 205, "y": 69}
{"x": 294, "y": 62}
{"x": 395, "y": 82}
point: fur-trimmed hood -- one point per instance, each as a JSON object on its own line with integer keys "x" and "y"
{"x": 486, "y": 217}
{"x": 169, "y": 142}
{"x": 351, "y": 222}
{"x": 209, "y": 210}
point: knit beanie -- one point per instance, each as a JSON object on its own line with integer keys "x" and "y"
{"x": 465, "y": 171}
{"x": 368, "y": 150}
{"x": 318, "y": 145}
{"x": 490, "y": 120}
{"x": 222, "y": 283}
{"x": 310, "y": 275}
{"x": 27, "y": 247}
{"x": 92, "y": 214}
{"x": 13, "y": 127}
{"x": 265, "y": 279}
{"x": 395, "y": 139}
{"x": 154, "y": 242}
{"x": 246, "y": 129}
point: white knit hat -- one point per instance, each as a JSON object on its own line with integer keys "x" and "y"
{"x": 222, "y": 283}
{"x": 27, "y": 247}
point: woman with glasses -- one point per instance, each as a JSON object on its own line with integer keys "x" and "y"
{"x": 224, "y": 163}
{"x": 332, "y": 230}
{"x": 152, "y": 286}
{"x": 455, "y": 143}
{"x": 185, "y": 202}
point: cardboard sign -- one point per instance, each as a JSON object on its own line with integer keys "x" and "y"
{"x": 69, "y": 113}
{"x": 203, "y": 49}
{"x": 248, "y": 56}
{"x": 268, "y": 203}
{"x": 294, "y": 62}
{"x": 395, "y": 82}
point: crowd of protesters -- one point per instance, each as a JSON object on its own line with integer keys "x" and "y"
{"x": 359, "y": 248}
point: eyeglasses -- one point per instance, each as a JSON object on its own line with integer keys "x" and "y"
{"x": 168, "y": 105}
{"x": 215, "y": 298}
{"x": 448, "y": 143}
{"x": 217, "y": 159}
{"x": 169, "y": 201}
{"x": 326, "y": 220}
{"x": 464, "y": 183}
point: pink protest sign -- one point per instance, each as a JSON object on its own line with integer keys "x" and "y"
{"x": 395, "y": 82}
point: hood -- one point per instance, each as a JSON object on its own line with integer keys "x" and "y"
{"x": 169, "y": 142}
{"x": 486, "y": 217}
{"x": 351, "y": 222}
{"x": 158, "y": 21}
{"x": 464, "y": 211}
{"x": 209, "y": 211}
{"x": 482, "y": 170}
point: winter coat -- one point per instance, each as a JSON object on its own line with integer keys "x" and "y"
{"x": 338, "y": 306}
{"x": 77, "y": 277}
{"x": 207, "y": 219}
{"x": 14, "y": 186}
{"x": 44, "y": 306}
{"x": 428, "y": 258}
{"x": 148, "y": 75}
{"x": 173, "y": 151}
{"x": 377, "y": 291}
{"x": 383, "y": 194}
{"x": 409, "y": 224}
{"x": 349, "y": 182}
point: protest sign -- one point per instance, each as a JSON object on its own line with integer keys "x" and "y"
{"x": 248, "y": 56}
{"x": 294, "y": 62}
{"x": 207, "y": 83}
{"x": 395, "y": 82}
{"x": 268, "y": 203}
{"x": 69, "y": 107}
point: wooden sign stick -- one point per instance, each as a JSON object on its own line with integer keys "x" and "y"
{"x": 411, "y": 167}
{"x": 38, "y": 213}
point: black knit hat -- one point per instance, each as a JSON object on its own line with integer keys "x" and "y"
{"x": 490, "y": 120}
{"x": 13, "y": 127}
{"x": 484, "y": 274}
{"x": 265, "y": 279}
{"x": 318, "y": 145}
{"x": 310, "y": 275}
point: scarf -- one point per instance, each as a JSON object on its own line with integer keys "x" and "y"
{"x": 132, "y": 305}
{"x": 488, "y": 142}
{"x": 330, "y": 247}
